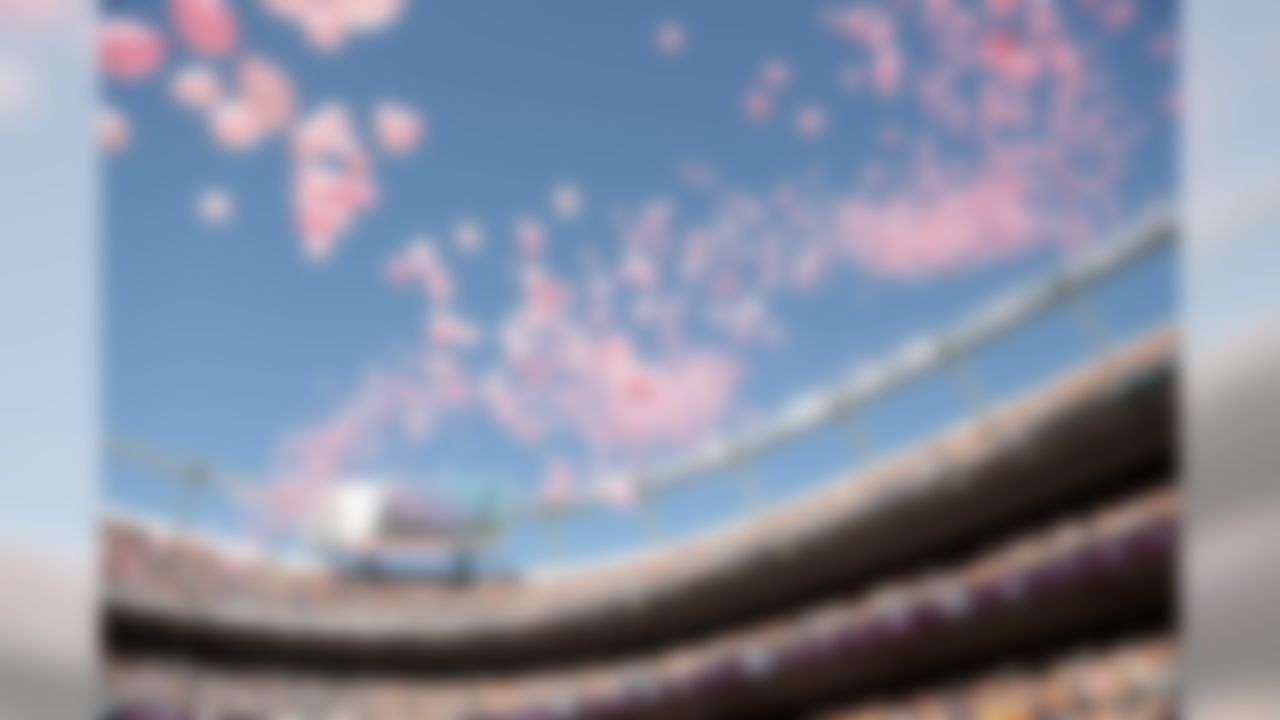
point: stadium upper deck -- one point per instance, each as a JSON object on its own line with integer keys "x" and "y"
{"x": 1082, "y": 576}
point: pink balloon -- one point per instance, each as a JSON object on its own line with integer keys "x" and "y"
{"x": 215, "y": 206}
{"x": 328, "y": 24}
{"x": 129, "y": 49}
{"x": 368, "y": 15}
{"x": 811, "y": 122}
{"x": 757, "y": 105}
{"x": 333, "y": 180}
{"x": 268, "y": 92}
{"x": 531, "y": 236}
{"x": 775, "y": 74}
{"x": 545, "y": 296}
{"x": 196, "y": 87}
{"x": 113, "y": 131}
{"x": 567, "y": 201}
{"x": 671, "y": 38}
{"x": 399, "y": 128}
{"x": 321, "y": 227}
{"x": 209, "y": 27}
{"x": 1008, "y": 56}
{"x": 235, "y": 125}
{"x": 921, "y": 233}
{"x": 618, "y": 493}
{"x": 1003, "y": 7}
{"x": 449, "y": 330}
{"x": 420, "y": 264}
{"x": 325, "y": 28}
{"x": 287, "y": 8}
{"x": 468, "y": 236}
{"x": 327, "y": 130}
{"x": 557, "y": 486}
{"x": 875, "y": 29}
{"x": 1119, "y": 15}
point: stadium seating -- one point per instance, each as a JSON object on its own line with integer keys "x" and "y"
{"x": 1085, "y": 572}
{"x": 1039, "y": 529}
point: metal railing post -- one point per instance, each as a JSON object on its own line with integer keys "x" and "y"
{"x": 1088, "y": 319}
{"x": 748, "y": 482}
{"x": 858, "y": 436}
{"x": 967, "y": 381}
{"x": 553, "y": 533}
{"x": 654, "y": 525}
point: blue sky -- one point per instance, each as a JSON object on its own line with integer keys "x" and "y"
{"x": 221, "y": 339}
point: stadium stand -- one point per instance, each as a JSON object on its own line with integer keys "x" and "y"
{"x": 1134, "y": 681}
{"x": 1025, "y": 539}
{"x": 1108, "y": 568}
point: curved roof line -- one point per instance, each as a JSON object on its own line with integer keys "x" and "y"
{"x": 807, "y": 411}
